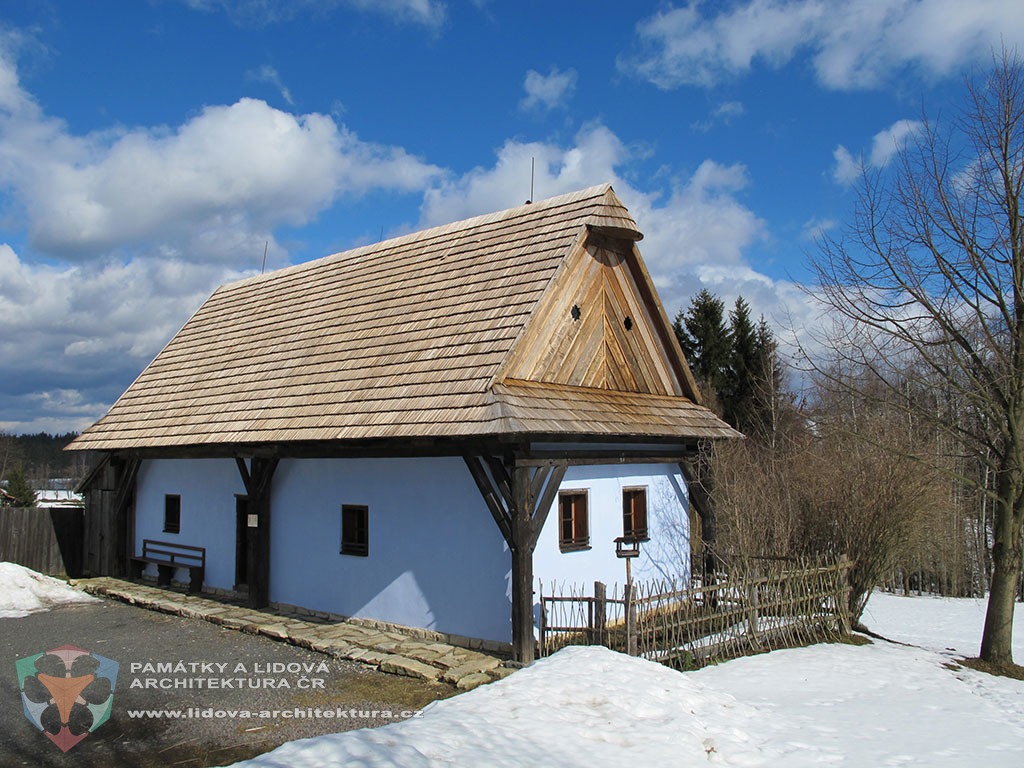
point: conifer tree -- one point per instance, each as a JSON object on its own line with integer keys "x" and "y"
{"x": 706, "y": 342}
{"x": 742, "y": 374}
{"x": 19, "y": 487}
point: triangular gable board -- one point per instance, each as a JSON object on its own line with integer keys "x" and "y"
{"x": 594, "y": 328}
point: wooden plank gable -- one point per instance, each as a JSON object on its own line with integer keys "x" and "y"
{"x": 594, "y": 328}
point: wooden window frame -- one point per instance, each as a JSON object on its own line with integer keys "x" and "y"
{"x": 172, "y": 513}
{"x": 355, "y": 530}
{"x": 630, "y": 529}
{"x": 578, "y": 521}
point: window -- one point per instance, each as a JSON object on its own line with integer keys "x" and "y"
{"x": 634, "y": 513}
{"x": 172, "y": 513}
{"x": 355, "y": 530}
{"x": 573, "y": 529}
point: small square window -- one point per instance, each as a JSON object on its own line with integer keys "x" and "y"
{"x": 172, "y": 513}
{"x": 573, "y": 528}
{"x": 355, "y": 530}
{"x": 634, "y": 514}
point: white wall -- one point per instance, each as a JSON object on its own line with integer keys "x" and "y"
{"x": 665, "y": 555}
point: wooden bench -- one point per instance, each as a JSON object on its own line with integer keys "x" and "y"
{"x": 168, "y": 557}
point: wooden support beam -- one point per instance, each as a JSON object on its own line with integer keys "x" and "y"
{"x": 491, "y": 496}
{"x": 701, "y": 500}
{"x": 519, "y": 498}
{"x": 522, "y": 567}
{"x": 122, "y": 518}
{"x": 257, "y": 479}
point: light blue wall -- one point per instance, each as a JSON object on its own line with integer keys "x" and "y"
{"x": 666, "y": 554}
{"x": 437, "y": 560}
{"x": 207, "y": 488}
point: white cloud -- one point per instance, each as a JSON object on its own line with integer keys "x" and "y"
{"x": 848, "y": 167}
{"x": 548, "y": 91}
{"x": 429, "y": 13}
{"x": 270, "y": 75}
{"x": 228, "y": 171}
{"x": 82, "y": 332}
{"x": 884, "y": 146}
{"x": 723, "y": 114}
{"x": 814, "y": 229}
{"x": 890, "y": 141}
{"x": 852, "y": 43}
{"x": 129, "y": 230}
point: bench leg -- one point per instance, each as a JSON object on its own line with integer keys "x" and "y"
{"x": 195, "y": 584}
{"x": 136, "y": 567}
{"x": 164, "y": 575}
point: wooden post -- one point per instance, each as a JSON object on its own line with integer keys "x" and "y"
{"x": 600, "y": 605}
{"x": 522, "y": 568}
{"x": 543, "y": 622}
{"x": 257, "y": 480}
{"x": 518, "y": 498}
{"x": 631, "y": 644}
{"x": 752, "y": 607}
{"x": 845, "y": 571}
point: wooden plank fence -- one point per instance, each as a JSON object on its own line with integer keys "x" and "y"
{"x": 767, "y": 605}
{"x": 45, "y": 540}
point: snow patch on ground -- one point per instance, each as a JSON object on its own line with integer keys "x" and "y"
{"x": 881, "y": 705}
{"x": 23, "y": 591}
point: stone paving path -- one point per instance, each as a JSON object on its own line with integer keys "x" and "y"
{"x": 387, "y": 650}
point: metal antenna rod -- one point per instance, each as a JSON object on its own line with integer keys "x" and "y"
{"x": 266, "y": 245}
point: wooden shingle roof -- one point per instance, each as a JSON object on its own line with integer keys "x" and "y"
{"x": 468, "y": 329}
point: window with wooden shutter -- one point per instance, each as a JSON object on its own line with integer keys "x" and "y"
{"x": 574, "y": 527}
{"x": 355, "y": 530}
{"x": 634, "y": 514}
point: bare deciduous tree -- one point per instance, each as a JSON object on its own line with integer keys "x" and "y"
{"x": 931, "y": 271}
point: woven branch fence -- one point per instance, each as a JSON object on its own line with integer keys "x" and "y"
{"x": 764, "y": 606}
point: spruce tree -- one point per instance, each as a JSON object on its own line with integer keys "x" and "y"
{"x": 19, "y": 487}
{"x": 770, "y": 398}
{"x": 706, "y": 342}
{"x": 741, "y": 376}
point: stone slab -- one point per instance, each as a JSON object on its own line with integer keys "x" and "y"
{"x": 399, "y": 665}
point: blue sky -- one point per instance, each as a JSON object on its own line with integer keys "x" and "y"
{"x": 151, "y": 150}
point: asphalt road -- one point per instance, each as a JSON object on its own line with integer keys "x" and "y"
{"x": 161, "y": 662}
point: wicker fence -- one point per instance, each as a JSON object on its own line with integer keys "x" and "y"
{"x": 767, "y": 605}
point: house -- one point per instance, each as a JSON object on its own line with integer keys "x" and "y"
{"x": 418, "y": 430}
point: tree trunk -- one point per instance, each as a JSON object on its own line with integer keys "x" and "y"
{"x": 997, "y": 638}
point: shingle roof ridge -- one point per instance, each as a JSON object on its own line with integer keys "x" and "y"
{"x": 528, "y": 208}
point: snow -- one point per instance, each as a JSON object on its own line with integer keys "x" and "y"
{"x": 23, "y": 591}
{"x": 882, "y": 704}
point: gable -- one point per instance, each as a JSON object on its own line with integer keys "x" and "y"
{"x": 598, "y": 327}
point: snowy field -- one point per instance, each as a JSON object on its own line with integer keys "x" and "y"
{"x": 828, "y": 705}
{"x": 883, "y": 704}
{"x": 23, "y": 591}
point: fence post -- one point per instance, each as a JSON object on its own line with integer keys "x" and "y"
{"x": 845, "y": 568}
{"x": 543, "y": 617}
{"x": 630, "y": 621}
{"x": 599, "y": 617}
{"x": 752, "y": 605}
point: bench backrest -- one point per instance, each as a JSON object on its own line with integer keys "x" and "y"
{"x": 183, "y": 554}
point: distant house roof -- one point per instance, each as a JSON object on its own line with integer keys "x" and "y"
{"x": 537, "y": 320}
{"x": 48, "y": 498}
